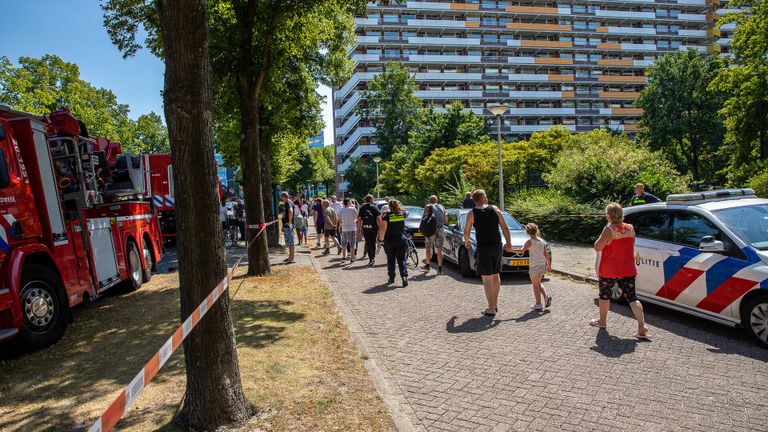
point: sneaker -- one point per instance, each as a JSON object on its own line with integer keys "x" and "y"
{"x": 549, "y": 302}
{"x": 537, "y": 307}
{"x": 405, "y": 282}
{"x": 391, "y": 280}
{"x": 371, "y": 263}
{"x": 425, "y": 267}
{"x": 440, "y": 270}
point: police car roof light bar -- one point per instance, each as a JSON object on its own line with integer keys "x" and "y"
{"x": 711, "y": 195}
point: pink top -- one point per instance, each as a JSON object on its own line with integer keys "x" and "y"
{"x": 618, "y": 257}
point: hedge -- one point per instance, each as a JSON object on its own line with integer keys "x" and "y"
{"x": 575, "y": 228}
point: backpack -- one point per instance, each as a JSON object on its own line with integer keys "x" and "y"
{"x": 428, "y": 225}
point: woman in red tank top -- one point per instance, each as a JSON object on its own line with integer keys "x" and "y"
{"x": 617, "y": 267}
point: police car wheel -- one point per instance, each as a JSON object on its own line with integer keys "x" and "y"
{"x": 45, "y": 307}
{"x": 755, "y": 319}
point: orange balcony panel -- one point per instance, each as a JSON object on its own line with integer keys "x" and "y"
{"x": 618, "y": 78}
{"x": 546, "y": 44}
{"x": 602, "y": 29}
{"x": 631, "y": 128}
{"x": 465, "y": 7}
{"x": 609, "y": 62}
{"x": 558, "y": 77}
{"x": 532, "y": 9}
{"x": 619, "y": 95}
{"x": 534, "y": 26}
{"x": 568, "y": 94}
{"x": 609, "y": 46}
{"x": 713, "y": 16}
{"x": 471, "y": 24}
{"x": 553, "y": 60}
{"x": 627, "y": 111}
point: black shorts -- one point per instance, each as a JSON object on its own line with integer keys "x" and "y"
{"x": 626, "y": 285}
{"x": 320, "y": 228}
{"x": 488, "y": 260}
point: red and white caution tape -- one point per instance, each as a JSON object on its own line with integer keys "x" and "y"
{"x": 119, "y": 406}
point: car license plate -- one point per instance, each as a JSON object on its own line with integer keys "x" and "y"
{"x": 418, "y": 234}
{"x": 517, "y": 262}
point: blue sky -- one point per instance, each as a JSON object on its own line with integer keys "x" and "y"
{"x": 73, "y": 30}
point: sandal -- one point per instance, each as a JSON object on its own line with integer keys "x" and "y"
{"x": 596, "y": 323}
{"x": 489, "y": 314}
{"x": 645, "y": 337}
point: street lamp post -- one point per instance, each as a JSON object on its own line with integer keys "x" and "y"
{"x": 377, "y": 159}
{"x": 498, "y": 110}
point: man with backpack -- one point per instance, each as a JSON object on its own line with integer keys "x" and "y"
{"x": 368, "y": 216}
{"x": 432, "y": 223}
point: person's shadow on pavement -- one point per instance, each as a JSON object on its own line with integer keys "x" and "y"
{"x": 533, "y": 314}
{"x": 472, "y": 325}
{"x": 612, "y": 346}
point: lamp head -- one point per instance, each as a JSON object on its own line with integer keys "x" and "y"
{"x": 377, "y": 159}
{"x": 498, "y": 109}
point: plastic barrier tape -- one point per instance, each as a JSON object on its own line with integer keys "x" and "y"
{"x": 119, "y": 406}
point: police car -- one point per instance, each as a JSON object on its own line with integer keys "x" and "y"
{"x": 454, "y": 250}
{"x": 706, "y": 254}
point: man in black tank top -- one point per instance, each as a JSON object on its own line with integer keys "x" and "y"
{"x": 486, "y": 220}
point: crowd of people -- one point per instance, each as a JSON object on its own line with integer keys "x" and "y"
{"x": 345, "y": 225}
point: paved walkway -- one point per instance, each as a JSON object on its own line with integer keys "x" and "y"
{"x": 440, "y": 366}
{"x": 576, "y": 260}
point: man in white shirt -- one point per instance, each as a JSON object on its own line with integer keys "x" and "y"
{"x": 348, "y": 216}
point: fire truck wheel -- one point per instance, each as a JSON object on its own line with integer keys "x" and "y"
{"x": 44, "y": 306}
{"x": 135, "y": 272}
{"x": 148, "y": 261}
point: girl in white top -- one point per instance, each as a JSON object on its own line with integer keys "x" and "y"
{"x": 539, "y": 265}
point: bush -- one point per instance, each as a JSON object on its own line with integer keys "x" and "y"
{"x": 760, "y": 184}
{"x": 559, "y": 217}
{"x": 600, "y": 166}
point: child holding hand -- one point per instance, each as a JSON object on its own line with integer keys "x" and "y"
{"x": 539, "y": 265}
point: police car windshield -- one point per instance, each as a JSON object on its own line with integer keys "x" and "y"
{"x": 748, "y": 222}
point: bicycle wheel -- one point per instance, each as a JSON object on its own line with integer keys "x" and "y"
{"x": 413, "y": 254}
{"x": 233, "y": 234}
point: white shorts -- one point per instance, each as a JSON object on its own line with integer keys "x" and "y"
{"x": 349, "y": 239}
{"x": 537, "y": 269}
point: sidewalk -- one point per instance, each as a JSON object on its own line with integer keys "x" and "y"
{"x": 574, "y": 260}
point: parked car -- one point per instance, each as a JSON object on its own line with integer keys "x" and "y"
{"x": 454, "y": 250}
{"x": 706, "y": 254}
{"x": 413, "y": 221}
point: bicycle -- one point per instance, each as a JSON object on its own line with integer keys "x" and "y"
{"x": 232, "y": 234}
{"x": 411, "y": 253}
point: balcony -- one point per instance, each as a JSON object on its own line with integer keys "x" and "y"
{"x": 448, "y": 94}
{"x": 359, "y": 151}
{"x": 537, "y": 94}
{"x": 426, "y": 23}
{"x": 443, "y": 41}
{"x": 357, "y": 77}
{"x": 348, "y": 125}
{"x": 692, "y": 17}
{"x": 443, "y": 76}
{"x": 626, "y": 30}
{"x": 349, "y": 105}
{"x": 624, "y": 14}
{"x": 353, "y": 139}
{"x": 444, "y": 58}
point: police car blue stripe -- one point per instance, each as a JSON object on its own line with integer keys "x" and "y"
{"x": 725, "y": 269}
{"x": 673, "y": 264}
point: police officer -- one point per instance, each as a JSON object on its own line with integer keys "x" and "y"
{"x": 642, "y": 197}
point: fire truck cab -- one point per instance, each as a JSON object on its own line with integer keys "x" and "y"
{"x": 73, "y": 224}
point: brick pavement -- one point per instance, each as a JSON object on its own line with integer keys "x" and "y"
{"x": 449, "y": 369}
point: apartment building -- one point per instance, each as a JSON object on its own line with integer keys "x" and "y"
{"x": 577, "y": 63}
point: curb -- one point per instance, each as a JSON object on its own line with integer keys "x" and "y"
{"x": 575, "y": 276}
{"x": 393, "y": 399}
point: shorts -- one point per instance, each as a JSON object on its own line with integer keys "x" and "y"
{"x": 626, "y": 285}
{"x": 289, "y": 237}
{"x": 330, "y": 232}
{"x": 488, "y": 260}
{"x": 537, "y": 269}
{"x": 436, "y": 240}
{"x": 349, "y": 239}
{"x": 320, "y": 229}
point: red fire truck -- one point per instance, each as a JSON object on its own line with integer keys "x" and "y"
{"x": 73, "y": 223}
{"x": 158, "y": 179}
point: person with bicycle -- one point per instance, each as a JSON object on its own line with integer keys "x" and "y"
{"x": 436, "y": 240}
{"x": 392, "y": 234}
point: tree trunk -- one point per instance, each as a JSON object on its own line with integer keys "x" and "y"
{"x": 214, "y": 395}
{"x": 268, "y": 192}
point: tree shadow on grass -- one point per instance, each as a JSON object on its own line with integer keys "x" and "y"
{"x": 103, "y": 349}
{"x": 472, "y": 325}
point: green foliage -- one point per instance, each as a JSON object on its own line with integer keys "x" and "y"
{"x": 360, "y": 177}
{"x": 454, "y": 192}
{"x": 43, "y": 85}
{"x": 745, "y": 81}
{"x": 393, "y": 107}
{"x": 597, "y": 166}
{"x": 760, "y": 184}
{"x": 680, "y": 112}
{"x": 559, "y": 216}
